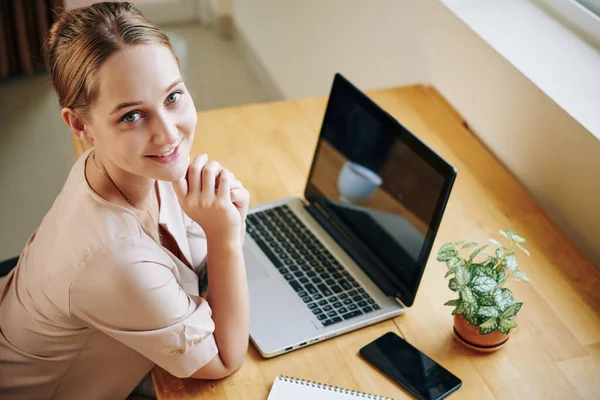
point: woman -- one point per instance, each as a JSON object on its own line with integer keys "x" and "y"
{"x": 108, "y": 285}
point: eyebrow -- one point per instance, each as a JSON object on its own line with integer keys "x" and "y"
{"x": 137, "y": 103}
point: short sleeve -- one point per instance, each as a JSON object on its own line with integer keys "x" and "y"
{"x": 129, "y": 291}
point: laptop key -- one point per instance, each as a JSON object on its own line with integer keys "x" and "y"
{"x": 263, "y": 246}
{"x": 366, "y": 296}
{"x": 299, "y": 274}
{"x": 355, "y": 284}
{"x": 336, "y": 276}
{"x": 283, "y": 270}
{"x": 297, "y": 287}
{"x": 316, "y": 280}
{"x": 361, "y": 290}
{"x": 305, "y": 268}
{"x": 327, "y": 308}
{"x": 370, "y": 301}
{"x": 323, "y": 302}
{"x": 348, "y": 301}
{"x": 302, "y": 294}
{"x": 352, "y": 314}
{"x": 352, "y": 307}
{"x": 362, "y": 303}
{"x": 293, "y": 268}
{"x": 288, "y": 277}
{"x": 343, "y": 296}
{"x": 336, "y": 289}
{"x": 331, "y": 314}
{"x": 317, "y": 311}
{"x": 317, "y": 296}
{"x": 352, "y": 293}
{"x": 327, "y": 322}
{"x": 311, "y": 305}
{"x": 288, "y": 261}
{"x": 311, "y": 288}
{"x": 326, "y": 292}
{"x": 375, "y": 307}
{"x": 367, "y": 309}
{"x": 306, "y": 299}
{"x": 342, "y": 310}
{"x": 330, "y": 282}
{"x": 357, "y": 298}
{"x": 332, "y": 299}
{"x": 345, "y": 285}
{"x": 311, "y": 274}
{"x": 304, "y": 280}
{"x": 321, "y": 317}
{"x": 337, "y": 304}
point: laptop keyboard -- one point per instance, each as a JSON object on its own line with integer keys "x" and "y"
{"x": 326, "y": 288}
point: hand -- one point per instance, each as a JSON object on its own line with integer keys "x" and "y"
{"x": 211, "y": 207}
{"x": 240, "y": 197}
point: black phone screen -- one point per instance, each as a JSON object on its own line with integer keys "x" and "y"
{"x": 410, "y": 368}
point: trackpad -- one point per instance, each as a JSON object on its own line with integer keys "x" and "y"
{"x": 254, "y": 269}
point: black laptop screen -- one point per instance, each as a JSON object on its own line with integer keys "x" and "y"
{"x": 384, "y": 188}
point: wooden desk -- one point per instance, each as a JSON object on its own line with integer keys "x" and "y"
{"x": 555, "y": 352}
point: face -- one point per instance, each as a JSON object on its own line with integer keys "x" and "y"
{"x": 144, "y": 118}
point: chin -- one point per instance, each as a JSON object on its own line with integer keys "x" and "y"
{"x": 171, "y": 173}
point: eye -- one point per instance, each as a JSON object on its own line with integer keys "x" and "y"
{"x": 131, "y": 117}
{"x": 173, "y": 97}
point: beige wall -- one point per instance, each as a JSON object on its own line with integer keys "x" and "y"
{"x": 381, "y": 43}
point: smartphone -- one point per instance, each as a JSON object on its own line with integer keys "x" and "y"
{"x": 407, "y": 366}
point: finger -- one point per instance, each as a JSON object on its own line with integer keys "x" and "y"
{"x": 194, "y": 170}
{"x": 239, "y": 196}
{"x": 236, "y": 184}
{"x": 225, "y": 187}
{"x": 209, "y": 175}
{"x": 180, "y": 187}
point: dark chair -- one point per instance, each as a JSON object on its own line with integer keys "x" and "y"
{"x": 7, "y": 265}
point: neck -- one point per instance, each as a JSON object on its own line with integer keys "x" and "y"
{"x": 137, "y": 189}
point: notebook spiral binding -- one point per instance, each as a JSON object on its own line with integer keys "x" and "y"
{"x": 332, "y": 388}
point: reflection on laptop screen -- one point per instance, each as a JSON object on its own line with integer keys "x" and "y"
{"x": 377, "y": 185}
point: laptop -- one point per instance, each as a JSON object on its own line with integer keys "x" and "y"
{"x": 352, "y": 252}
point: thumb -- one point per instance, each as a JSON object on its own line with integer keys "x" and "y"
{"x": 180, "y": 187}
{"x": 225, "y": 185}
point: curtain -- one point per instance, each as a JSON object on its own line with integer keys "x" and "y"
{"x": 24, "y": 25}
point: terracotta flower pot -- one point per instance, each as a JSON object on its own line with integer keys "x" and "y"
{"x": 468, "y": 335}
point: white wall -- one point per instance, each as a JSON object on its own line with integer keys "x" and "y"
{"x": 385, "y": 43}
{"x": 302, "y": 43}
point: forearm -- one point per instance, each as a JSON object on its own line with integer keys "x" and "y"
{"x": 228, "y": 298}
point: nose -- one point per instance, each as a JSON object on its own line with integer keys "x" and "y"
{"x": 164, "y": 130}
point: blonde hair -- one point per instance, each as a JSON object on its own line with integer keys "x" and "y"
{"x": 81, "y": 40}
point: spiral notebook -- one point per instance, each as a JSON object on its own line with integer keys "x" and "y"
{"x": 286, "y": 388}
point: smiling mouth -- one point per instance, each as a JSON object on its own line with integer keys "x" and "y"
{"x": 166, "y": 153}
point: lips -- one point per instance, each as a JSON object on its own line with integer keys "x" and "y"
{"x": 167, "y": 156}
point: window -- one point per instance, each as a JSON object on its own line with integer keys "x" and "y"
{"x": 582, "y": 16}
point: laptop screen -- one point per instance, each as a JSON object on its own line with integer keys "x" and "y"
{"x": 383, "y": 188}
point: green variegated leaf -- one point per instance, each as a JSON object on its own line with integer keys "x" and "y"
{"x": 491, "y": 262}
{"x": 506, "y": 325}
{"x": 467, "y": 296}
{"x": 500, "y": 253}
{"x": 469, "y": 245}
{"x": 472, "y": 319}
{"x": 488, "y": 326}
{"x": 494, "y": 241}
{"x": 447, "y": 246}
{"x": 448, "y": 273}
{"x": 470, "y": 308}
{"x": 455, "y": 262}
{"x": 511, "y": 311}
{"x": 500, "y": 277}
{"x": 511, "y": 261}
{"x": 453, "y": 285}
{"x": 486, "y": 300}
{"x": 455, "y": 302}
{"x": 480, "y": 269}
{"x": 483, "y": 284}
{"x": 458, "y": 310}
{"x": 523, "y": 249}
{"x": 503, "y": 298}
{"x": 462, "y": 276}
{"x": 521, "y": 275}
{"x": 512, "y": 235}
{"x": 487, "y": 312}
{"x": 446, "y": 255}
{"x": 476, "y": 252}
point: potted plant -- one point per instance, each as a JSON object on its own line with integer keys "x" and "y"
{"x": 485, "y": 310}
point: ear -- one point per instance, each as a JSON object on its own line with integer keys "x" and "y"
{"x": 76, "y": 123}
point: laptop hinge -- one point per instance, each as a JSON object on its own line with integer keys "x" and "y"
{"x": 386, "y": 282}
